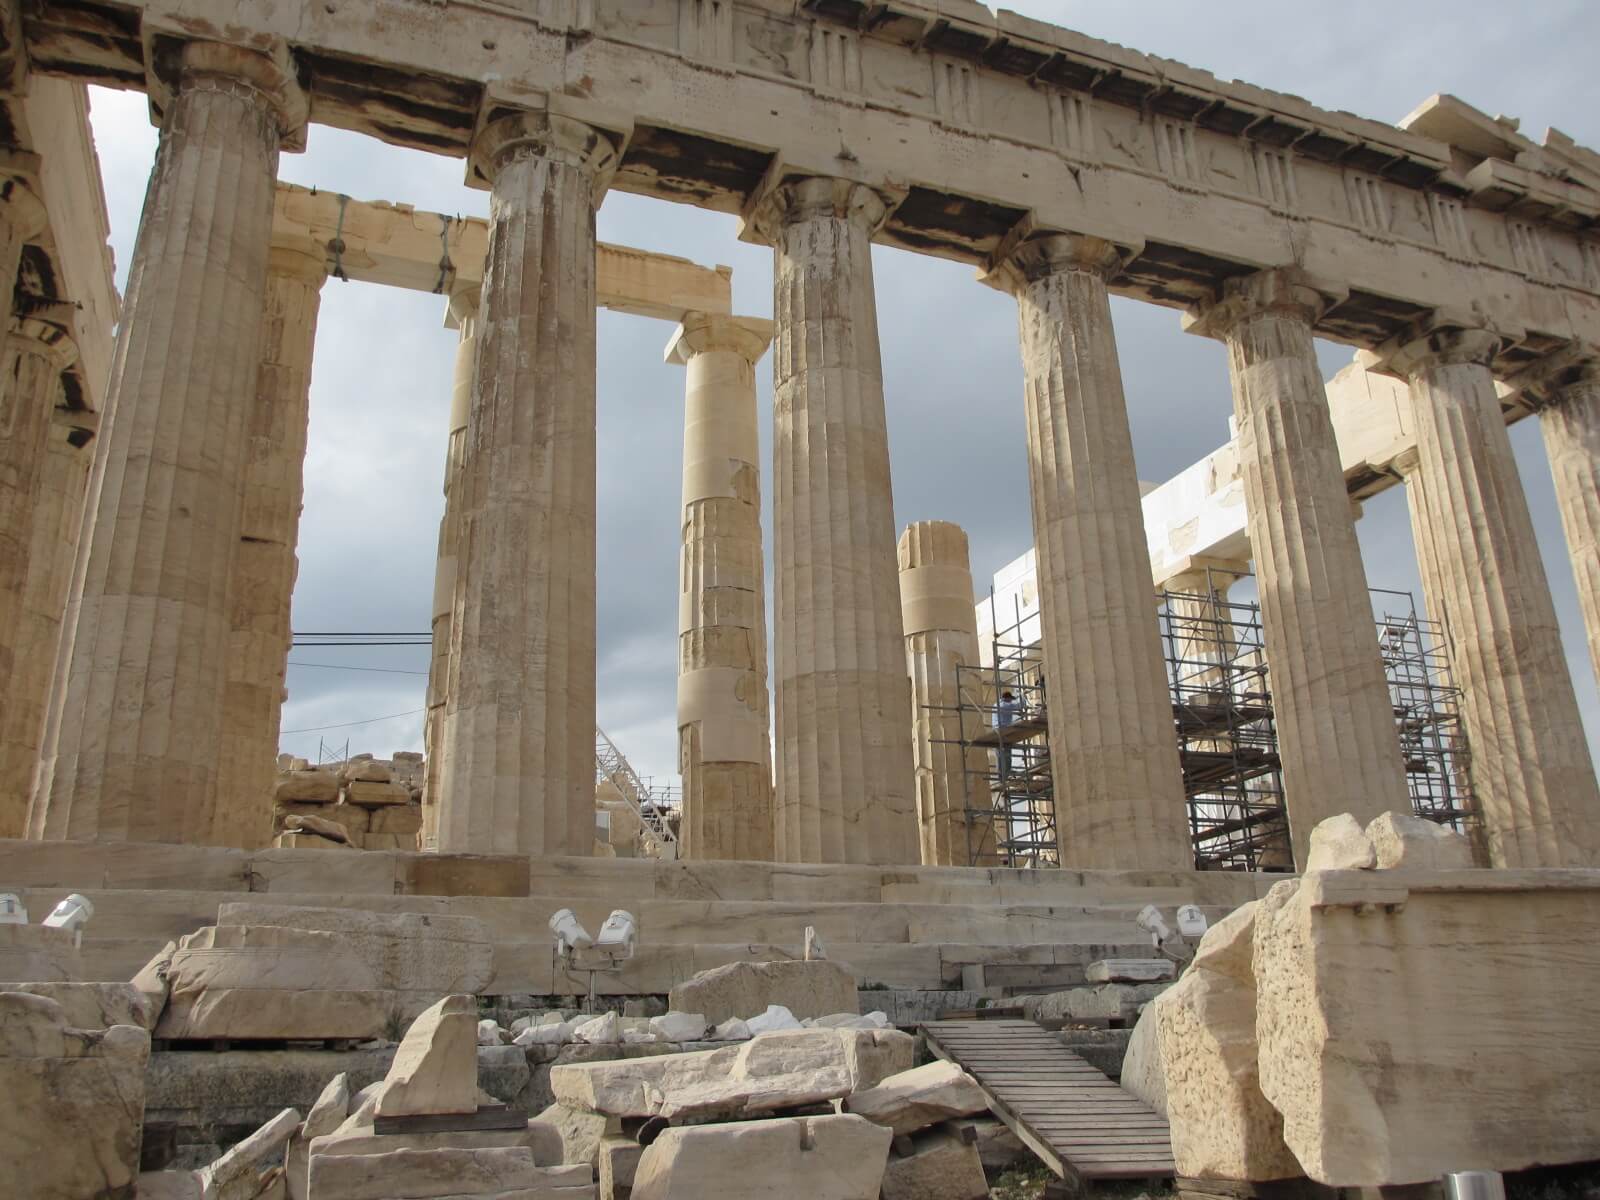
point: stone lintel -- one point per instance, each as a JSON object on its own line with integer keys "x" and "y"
{"x": 1196, "y": 566}
{"x": 1544, "y": 381}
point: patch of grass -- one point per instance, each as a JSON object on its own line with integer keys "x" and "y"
{"x": 1023, "y": 1182}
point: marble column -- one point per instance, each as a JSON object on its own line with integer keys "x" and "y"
{"x": 724, "y": 745}
{"x": 22, "y": 218}
{"x": 1336, "y": 732}
{"x": 1570, "y": 422}
{"x": 265, "y": 565}
{"x": 1113, "y": 746}
{"x": 464, "y": 316}
{"x": 955, "y": 810}
{"x": 518, "y": 736}
{"x": 133, "y": 752}
{"x": 1533, "y": 780}
{"x": 844, "y": 778}
{"x": 39, "y": 349}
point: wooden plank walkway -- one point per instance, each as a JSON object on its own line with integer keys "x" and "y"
{"x": 1070, "y": 1114}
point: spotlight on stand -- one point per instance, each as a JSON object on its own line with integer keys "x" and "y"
{"x": 71, "y": 914}
{"x": 570, "y": 935}
{"x": 618, "y": 936}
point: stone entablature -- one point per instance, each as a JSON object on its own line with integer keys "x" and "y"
{"x": 1074, "y": 134}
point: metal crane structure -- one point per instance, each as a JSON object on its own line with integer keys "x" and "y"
{"x": 611, "y": 765}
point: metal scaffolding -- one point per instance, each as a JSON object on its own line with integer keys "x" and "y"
{"x": 1224, "y": 725}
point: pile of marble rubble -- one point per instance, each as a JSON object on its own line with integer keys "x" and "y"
{"x": 364, "y": 803}
{"x": 1377, "y": 1022}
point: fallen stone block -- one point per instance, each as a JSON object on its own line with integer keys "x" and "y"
{"x": 306, "y": 787}
{"x": 1129, "y": 970}
{"x": 998, "y": 1147}
{"x": 71, "y": 1101}
{"x": 397, "y": 820}
{"x": 825, "y": 1158}
{"x": 776, "y": 1018}
{"x": 539, "y": 1137}
{"x": 940, "y": 1167}
{"x": 169, "y": 1185}
{"x": 1340, "y": 844}
{"x": 436, "y": 1067}
{"x": 604, "y": 1030}
{"x": 1401, "y": 841}
{"x": 923, "y": 1096}
{"x": 424, "y": 1174}
{"x": 776, "y": 1070}
{"x": 240, "y": 1173}
{"x": 321, "y": 826}
{"x": 366, "y": 770}
{"x": 151, "y": 981}
{"x": 93, "y": 1005}
{"x": 39, "y": 954}
{"x": 1499, "y": 1076}
{"x": 619, "y": 1165}
{"x": 261, "y": 982}
{"x": 806, "y": 989}
{"x": 1106, "y": 1001}
{"x": 679, "y": 1027}
{"x": 374, "y": 794}
{"x": 306, "y": 840}
{"x": 580, "y": 1132}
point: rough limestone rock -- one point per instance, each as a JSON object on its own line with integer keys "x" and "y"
{"x": 231, "y": 981}
{"x": 580, "y": 1132}
{"x": 776, "y": 1018}
{"x": 1222, "y": 1125}
{"x": 1402, "y": 841}
{"x": 93, "y": 1005}
{"x": 806, "y": 989}
{"x": 39, "y": 954}
{"x": 1340, "y": 844}
{"x": 604, "y": 1030}
{"x": 71, "y": 1103}
{"x": 374, "y": 794}
{"x": 436, "y": 1067}
{"x": 1118, "y": 1001}
{"x": 923, "y": 1096}
{"x": 731, "y": 1030}
{"x": 679, "y": 1027}
{"x": 940, "y": 1167}
{"x": 151, "y": 981}
{"x": 321, "y": 826}
{"x": 619, "y": 1165}
{"x": 306, "y": 787}
{"x": 1143, "y": 1073}
{"x": 424, "y": 953}
{"x": 822, "y": 1158}
{"x": 776, "y": 1070}
{"x": 366, "y": 770}
{"x": 329, "y": 1112}
{"x": 241, "y": 1173}
{"x": 1354, "y": 968}
{"x": 169, "y": 1185}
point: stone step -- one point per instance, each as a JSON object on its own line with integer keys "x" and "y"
{"x": 80, "y": 865}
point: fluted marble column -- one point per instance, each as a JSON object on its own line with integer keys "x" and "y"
{"x": 955, "y": 817}
{"x": 724, "y": 745}
{"x": 1336, "y": 732}
{"x": 135, "y": 741}
{"x": 844, "y": 780}
{"x": 1570, "y": 422}
{"x": 518, "y": 738}
{"x": 464, "y": 315}
{"x": 38, "y": 350}
{"x": 1113, "y": 748}
{"x": 1532, "y": 777}
{"x": 265, "y": 565}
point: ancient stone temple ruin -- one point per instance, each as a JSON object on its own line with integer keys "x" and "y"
{"x": 932, "y": 906}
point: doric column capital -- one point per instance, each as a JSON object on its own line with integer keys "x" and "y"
{"x": 268, "y": 78}
{"x": 1441, "y": 341}
{"x": 1198, "y": 574}
{"x": 701, "y": 332}
{"x": 1406, "y": 462}
{"x": 1553, "y": 378}
{"x": 510, "y": 135}
{"x": 1043, "y": 254}
{"x": 1278, "y": 291}
{"x": 783, "y": 199}
{"x": 46, "y": 328}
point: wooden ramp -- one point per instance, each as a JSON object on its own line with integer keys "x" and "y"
{"x": 1071, "y": 1115}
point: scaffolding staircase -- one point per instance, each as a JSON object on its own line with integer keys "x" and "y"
{"x": 611, "y": 765}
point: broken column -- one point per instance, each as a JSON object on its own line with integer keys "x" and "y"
{"x": 265, "y": 565}
{"x": 1533, "y": 778}
{"x": 724, "y": 750}
{"x": 1336, "y": 733}
{"x": 463, "y": 314}
{"x": 518, "y": 735}
{"x": 955, "y": 818}
{"x": 38, "y": 350}
{"x": 1118, "y": 789}
{"x": 134, "y": 754}
{"x": 844, "y": 784}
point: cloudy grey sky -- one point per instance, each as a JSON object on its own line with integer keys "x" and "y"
{"x": 381, "y": 383}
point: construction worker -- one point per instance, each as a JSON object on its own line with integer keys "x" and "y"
{"x": 1005, "y": 713}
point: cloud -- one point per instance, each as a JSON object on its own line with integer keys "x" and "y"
{"x": 382, "y": 374}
